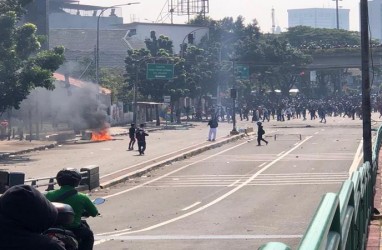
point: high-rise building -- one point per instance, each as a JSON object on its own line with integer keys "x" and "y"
{"x": 375, "y": 19}
{"x": 319, "y": 18}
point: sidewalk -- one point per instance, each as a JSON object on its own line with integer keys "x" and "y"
{"x": 374, "y": 241}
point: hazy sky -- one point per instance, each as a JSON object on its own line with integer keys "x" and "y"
{"x": 149, "y": 10}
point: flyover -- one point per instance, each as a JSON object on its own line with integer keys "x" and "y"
{"x": 342, "y": 58}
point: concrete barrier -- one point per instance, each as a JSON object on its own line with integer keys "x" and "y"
{"x": 92, "y": 179}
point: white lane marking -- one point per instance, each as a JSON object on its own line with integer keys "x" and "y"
{"x": 295, "y": 144}
{"x": 357, "y": 158}
{"x": 254, "y": 184}
{"x": 203, "y": 237}
{"x": 316, "y": 133}
{"x": 117, "y": 231}
{"x": 193, "y": 205}
{"x": 172, "y": 172}
{"x": 213, "y": 202}
{"x": 262, "y": 164}
{"x": 280, "y": 153}
{"x": 149, "y": 161}
{"x": 233, "y": 183}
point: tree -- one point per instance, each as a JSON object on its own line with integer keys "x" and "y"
{"x": 23, "y": 66}
{"x": 309, "y": 38}
{"x": 285, "y": 63}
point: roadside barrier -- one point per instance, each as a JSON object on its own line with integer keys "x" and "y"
{"x": 341, "y": 220}
{"x": 90, "y": 180}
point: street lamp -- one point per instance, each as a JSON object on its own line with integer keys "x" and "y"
{"x": 97, "y": 44}
{"x": 337, "y": 14}
{"x": 234, "y": 96}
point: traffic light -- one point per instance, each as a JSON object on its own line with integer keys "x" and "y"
{"x": 190, "y": 38}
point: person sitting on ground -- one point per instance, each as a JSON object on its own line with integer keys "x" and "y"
{"x": 68, "y": 180}
{"x": 24, "y": 215}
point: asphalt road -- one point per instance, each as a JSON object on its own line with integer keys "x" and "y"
{"x": 238, "y": 196}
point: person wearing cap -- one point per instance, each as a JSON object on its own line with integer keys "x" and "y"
{"x": 25, "y": 214}
{"x": 260, "y": 133}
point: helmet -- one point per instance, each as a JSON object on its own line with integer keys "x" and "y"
{"x": 68, "y": 177}
{"x": 258, "y": 123}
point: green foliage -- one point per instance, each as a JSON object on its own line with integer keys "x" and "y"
{"x": 16, "y": 6}
{"x": 154, "y": 45}
{"x": 22, "y": 66}
{"x": 315, "y": 38}
{"x": 275, "y": 61}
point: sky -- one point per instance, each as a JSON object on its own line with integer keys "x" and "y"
{"x": 261, "y": 10}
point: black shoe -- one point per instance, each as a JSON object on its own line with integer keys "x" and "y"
{"x": 266, "y": 143}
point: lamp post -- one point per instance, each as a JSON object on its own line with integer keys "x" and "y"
{"x": 234, "y": 96}
{"x": 97, "y": 43}
{"x": 337, "y": 14}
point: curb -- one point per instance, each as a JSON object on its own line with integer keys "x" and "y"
{"x": 4, "y": 156}
{"x": 140, "y": 172}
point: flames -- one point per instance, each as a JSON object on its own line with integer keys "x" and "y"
{"x": 102, "y": 135}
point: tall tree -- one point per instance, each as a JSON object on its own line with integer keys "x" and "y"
{"x": 304, "y": 37}
{"x": 285, "y": 63}
{"x": 23, "y": 66}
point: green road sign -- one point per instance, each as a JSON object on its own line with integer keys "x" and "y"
{"x": 242, "y": 72}
{"x": 160, "y": 71}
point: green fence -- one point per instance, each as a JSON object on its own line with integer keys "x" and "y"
{"x": 342, "y": 219}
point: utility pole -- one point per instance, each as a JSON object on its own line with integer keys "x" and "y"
{"x": 337, "y": 15}
{"x": 97, "y": 39}
{"x": 366, "y": 106}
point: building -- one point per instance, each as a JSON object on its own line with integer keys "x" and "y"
{"x": 375, "y": 19}
{"x": 319, "y": 18}
{"x": 74, "y": 26}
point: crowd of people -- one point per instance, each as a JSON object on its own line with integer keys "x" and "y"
{"x": 298, "y": 107}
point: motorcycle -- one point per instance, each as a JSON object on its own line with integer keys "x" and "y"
{"x": 65, "y": 217}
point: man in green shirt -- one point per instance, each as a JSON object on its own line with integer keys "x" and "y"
{"x": 69, "y": 179}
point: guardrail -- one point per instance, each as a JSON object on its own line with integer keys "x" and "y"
{"x": 341, "y": 220}
{"x": 90, "y": 180}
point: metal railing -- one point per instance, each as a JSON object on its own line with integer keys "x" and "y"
{"x": 89, "y": 181}
{"x": 50, "y": 182}
{"x": 341, "y": 220}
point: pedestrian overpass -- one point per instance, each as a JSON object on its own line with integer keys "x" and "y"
{"x": 343, "y": 58}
